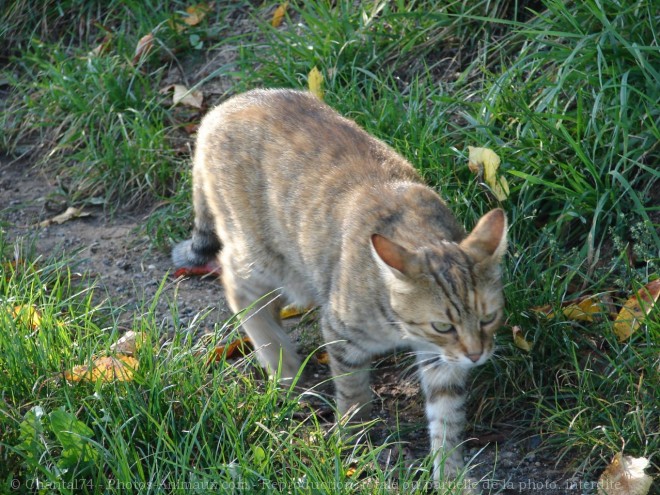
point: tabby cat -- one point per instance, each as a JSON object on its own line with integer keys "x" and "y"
{"x": 305, "y": 203}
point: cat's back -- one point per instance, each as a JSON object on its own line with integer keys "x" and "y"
{"x": 293, "y": 132}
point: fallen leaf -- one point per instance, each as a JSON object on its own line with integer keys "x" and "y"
{"x": 519, "y": 339}
{"x": 483, "y": 160}
{"x": 486, "y": 161}
{"x": 177, "y": 24}
{"x": 70, "y": 213}
{"x": 191, "y": 127}
{"x": 278, "y": 15}
{"x": 240, "y": 347}
{"x": 583, "y": 309}
{"x": 500, "y": 188}
{"x": 102, "y": 47}
{"x": 291, "y": 311}
{"x": 315, "y": 83}
{"x": 144, "y": 46}
{"x": 322, "y": 357}
{"x": 27, "y": 315}
{"x": 119, "y": 368}
{"x": 196, "y": 13}
{"x": 635, "y": 309}
{"x": 210, "y": 269}
{"x": 625, "y": 476}
{"x": 184, "y": 96}
{"x": 129, "y": 343}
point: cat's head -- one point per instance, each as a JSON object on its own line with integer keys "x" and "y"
{"x": 448, "y": 297}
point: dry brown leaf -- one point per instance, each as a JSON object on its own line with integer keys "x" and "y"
{"x": 118, "y": 368}
{"x": 278, "y": 15}
{"x": 322, "y": 357}
{"x": 625, "y": 476}
{"x": 129, "y": 343}
{"x": 184, "y": 96}
{"x": 102, "y": 47}
{"x": 144, "y": 46}
{"x": 635, "y": 309}
{"x": 191, "y": 127}
{"x": 315, "y": 83}
{"x": 519, "y": 339}
{"x": 70, "y": 213}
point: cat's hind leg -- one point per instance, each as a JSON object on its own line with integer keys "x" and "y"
{"x": 261, "y": 320}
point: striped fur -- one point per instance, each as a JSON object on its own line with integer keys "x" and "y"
{"x": 308, "y": 205}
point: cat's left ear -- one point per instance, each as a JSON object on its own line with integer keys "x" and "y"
{"x": 487, "y": 241}
{"x": 398, "y": 258}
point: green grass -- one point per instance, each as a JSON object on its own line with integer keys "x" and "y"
{"x": 568, "y": 96}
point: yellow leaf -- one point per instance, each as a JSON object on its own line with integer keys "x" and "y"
{"x": 625, "y": 476}
{"x": 196, "y": 13}
{"x": 486, "y": 161}
{"x": 70, "y": 213}
{"x": 584, "y": 310}
{"x": 291, "y": 311}
{"x": 278, "y": 15}
{"x": 635, "y": 309}
{"x": 27, "y": 315}
{"x": 315, "y": 83}
{"x": 500, "y": 188}
{"x": 119, "y": 368}
{"x": 351, "y": 470}
{"x": 519, "y": 339}
{"x": 129, "y": 343}
{"x": 483, "y": 160}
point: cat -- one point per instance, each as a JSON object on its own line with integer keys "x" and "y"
{"x": 291, "y": 197}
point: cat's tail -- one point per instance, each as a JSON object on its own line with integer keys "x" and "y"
{"x": 200, "y": 252}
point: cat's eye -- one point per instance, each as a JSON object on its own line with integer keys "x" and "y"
{"x": 488, "y": 319}
{"x": 442, "y": 327}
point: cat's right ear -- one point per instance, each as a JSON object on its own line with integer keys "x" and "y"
{"x": 488, "y": 240}
{"x": 400, "y": 260}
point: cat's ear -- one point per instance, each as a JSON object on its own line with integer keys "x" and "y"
{"x": 487, "y": 241}
{"x": 397, "y": 257}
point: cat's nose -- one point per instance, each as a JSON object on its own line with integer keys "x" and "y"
{"x": 474, "y": 357}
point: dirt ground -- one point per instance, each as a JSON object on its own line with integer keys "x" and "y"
{"x": 119, "y": 256}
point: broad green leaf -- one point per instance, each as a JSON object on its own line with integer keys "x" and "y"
{"x": 74, "y": 437}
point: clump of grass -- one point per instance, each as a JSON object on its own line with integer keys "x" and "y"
{"x": 91, "y": 110}
{"x": 178, "y": 425}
